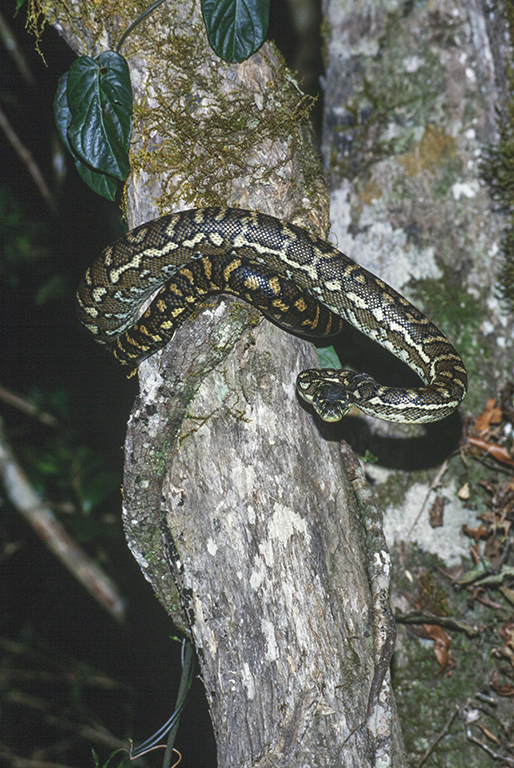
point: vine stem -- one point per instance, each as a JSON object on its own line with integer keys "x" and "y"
{"x": 136, "y": 22}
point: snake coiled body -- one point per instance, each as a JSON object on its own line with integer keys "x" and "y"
{"x": 294, "y": 277}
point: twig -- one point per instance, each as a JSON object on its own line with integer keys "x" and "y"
{"x": 24, "y": 762}
{"x": 152, "y": 749}
{"x": 90, "y": 733}
{"x": 27, "y": 406}
{"x": 436, "y": 482}
{"x": 491, "y": 752}
{"x": 439, "y": 737}
{"x": 26, "y": 157}
{"x": 506, "y": 549}
{"x": 11, "y": 44}
{"x": 426, "y": 617}
{"x": 43, "y": 521}
{"x": 69, "y": 671}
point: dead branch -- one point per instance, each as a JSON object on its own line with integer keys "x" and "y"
{"x": 41, "y": 518}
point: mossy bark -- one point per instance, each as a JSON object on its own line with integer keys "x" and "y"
{"x": 414, "y": 93}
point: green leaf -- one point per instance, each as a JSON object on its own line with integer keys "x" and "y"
{"x": 62, "y": 112}
{"x": 47, "y": 465}
{"x": 236, "y": 28}
{"x": 369, "y": 457}
{"x": 479, "y": 570}
{"x": 101, "y": 183}
{"x": 100, "y": 101}
{"x": 95, "y": 126}
{"x": 327, "y": 357}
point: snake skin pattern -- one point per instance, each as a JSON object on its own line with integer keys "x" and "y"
{"x": 292, "y": 276}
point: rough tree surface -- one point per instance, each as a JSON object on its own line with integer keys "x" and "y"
{"x": 414, "y": 93}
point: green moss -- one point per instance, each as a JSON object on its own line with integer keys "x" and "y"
{"x": 392, "y": 492}
{"x": 351, "y": 668}
{"x": 432, "y": 595}
{"x": 460, "y": 316}
{"x": 191, "y": 128}
{"x": 389, "y": 96}
{"x": 426, "y": 701}
{"x": 161, "y": 457}
{"x": 497, "y": 170}
{"x": 456, "y": 312}
{"x": 506, "y": 273}
{"x": 151, "y": 557}
{"x": 449, "y": 175}
{"x": 207, "y": 134}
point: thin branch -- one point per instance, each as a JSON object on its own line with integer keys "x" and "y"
{"x": 11, "y": 44}
{"x": 25, "y": 156}
{"x": 24, "y": 762}
{"x": 69, "y": 670}
{"x": 439, "y": 737}
{"x": 491, "y": 752}
{"x": 43, "y": 521}
{"x": 426, "y": 617}
{"x": 90, "y": 733}
{"x": 436, "y": 482}
{"x": 27, "y": 406}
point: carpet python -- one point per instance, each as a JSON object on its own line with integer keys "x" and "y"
{"x": 300, "y": 281}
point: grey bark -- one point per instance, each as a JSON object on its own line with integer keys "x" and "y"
{"x": 234, "y": 495}
{"x": 414, "y": 91}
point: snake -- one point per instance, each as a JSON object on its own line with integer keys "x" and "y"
{"x": 303, "y": 283}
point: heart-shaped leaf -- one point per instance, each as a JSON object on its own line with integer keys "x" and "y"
{"x": 236, "y": 28}
{"x": 93, "y": 113}
{"x": 100, "y": 102}
{"x": 99, "y": 182}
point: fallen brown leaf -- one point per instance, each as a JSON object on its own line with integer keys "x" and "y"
{"x": 476, "y": 533}
{"x": 491, "y": 415}
{"x": 441, "y": 645}
{"x": 505, "y": 689}
{"x": 435, "y": 513}
{"x": 495, "y": 450}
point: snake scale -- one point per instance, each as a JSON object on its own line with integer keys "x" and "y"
{"x": 300, "y": 281}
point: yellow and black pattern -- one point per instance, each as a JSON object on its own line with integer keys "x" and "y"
{"x": 277, "y": 298}
{"x": 301, "y": 281}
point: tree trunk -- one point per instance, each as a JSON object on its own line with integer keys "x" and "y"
{"x": 232, "y": 491}
{"x": 413, "y": 94}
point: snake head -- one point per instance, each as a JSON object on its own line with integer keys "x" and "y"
{"x": 329, "y": 397}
